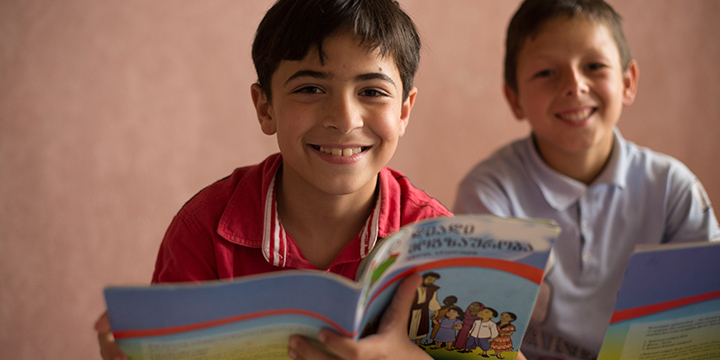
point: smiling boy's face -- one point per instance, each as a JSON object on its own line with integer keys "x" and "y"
{"x": 571, "y": 87}
{"x": 338, "y": 122}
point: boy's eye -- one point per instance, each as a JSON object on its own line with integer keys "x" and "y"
{"x": 309, "y": 90}
{"x": 595, "y": 66}
{"x": 372, "y": 93}
{"x": 543, "y": 73}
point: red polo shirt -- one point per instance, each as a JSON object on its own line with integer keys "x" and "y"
{"x": 231, "y": 228}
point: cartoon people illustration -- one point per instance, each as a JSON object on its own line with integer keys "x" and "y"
{"x": 503, "y": 342}
{"x": 471, "y": 314}
{"x": 448, "y": 302}
{"x": 425, "y": 301}
{"x": 447, "y": 327}
{"x": 483, "y": 332}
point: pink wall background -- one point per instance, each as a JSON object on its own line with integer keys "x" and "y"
{"x": 113, "y": 114}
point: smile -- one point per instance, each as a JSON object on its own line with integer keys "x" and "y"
{"x": 576, "y": 116}
{"x": 340, "y": 151}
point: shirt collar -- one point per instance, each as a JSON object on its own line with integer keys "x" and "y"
{"x": 561, "y": 191}
{"x": 616, "y": 170}
{"x": 250, "y": 219}
{"x": 275, "y": 239}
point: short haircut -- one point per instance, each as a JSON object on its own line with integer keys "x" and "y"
{"x": 533, "y": 14}
{"x": 292, "y": 27}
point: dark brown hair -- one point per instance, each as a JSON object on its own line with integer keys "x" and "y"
{"x": 292, "y": 27}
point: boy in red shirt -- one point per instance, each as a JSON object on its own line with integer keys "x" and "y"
{"x": 335, "y": 85}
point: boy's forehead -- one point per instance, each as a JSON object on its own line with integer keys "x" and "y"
{"x": 575, "y": 30}
{"x": 561, "y": 26}
{"x": 342, "y": 55}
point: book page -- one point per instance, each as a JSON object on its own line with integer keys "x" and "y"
{"x": 248, "y": 319}
{"x": 668, "y": 306}
{"x": 470, "y": 265}
{"x": 476, "y": 270}
{"x": 268, "y": 343}
{"x": 693, "y": 337}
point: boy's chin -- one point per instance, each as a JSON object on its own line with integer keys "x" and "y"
{"x": 352, "y": 185}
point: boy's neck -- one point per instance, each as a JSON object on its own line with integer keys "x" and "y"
{"x": 322, "y": 224}
{"x": 583, "y": 166}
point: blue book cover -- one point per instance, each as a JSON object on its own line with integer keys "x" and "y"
{"x": 668, "y": 306}
{"x": 475, "y": 268}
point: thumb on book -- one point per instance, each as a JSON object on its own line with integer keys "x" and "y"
{"x": 397, "y": 315}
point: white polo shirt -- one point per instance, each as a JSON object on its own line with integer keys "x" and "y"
{"x": 641, "y": 197}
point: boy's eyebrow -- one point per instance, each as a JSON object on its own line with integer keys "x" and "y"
{"x": 374, "y": 76}
{"x": 324, "y": 75}
{"x": 308, "y": 73}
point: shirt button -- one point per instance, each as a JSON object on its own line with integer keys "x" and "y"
{"x": 585, "y": 225}
{"x": 586, "y": 256}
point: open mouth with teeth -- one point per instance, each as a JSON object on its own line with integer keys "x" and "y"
{"x": 340, "y": 151}
{"x": 576, "y": 116}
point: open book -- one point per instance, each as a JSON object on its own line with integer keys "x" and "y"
{"x": 668, "y": 306}
{"x": 477, "y": 269}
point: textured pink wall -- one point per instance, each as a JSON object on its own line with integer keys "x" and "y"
{"x": 112, "y": 114}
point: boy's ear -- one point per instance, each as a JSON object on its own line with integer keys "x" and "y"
{"x": 512, "y": 100}
{"x": 630, "y": 81}
{"x": 264, "y": 109}
{"x": 406, "y": 108}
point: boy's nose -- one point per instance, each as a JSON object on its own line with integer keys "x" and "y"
{"x": 575, "y": 83}
{"x": 343, "y": 114}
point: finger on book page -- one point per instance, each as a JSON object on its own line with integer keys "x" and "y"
{"x": 391, "y": 341}
{"x": 108, "y": 348}
{"x": 397, "y": 315}
{"x": 299, "y": 348}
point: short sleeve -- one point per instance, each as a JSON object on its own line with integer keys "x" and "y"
{"x": 690, "y": 216}
{"x": 478, "y": 194}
